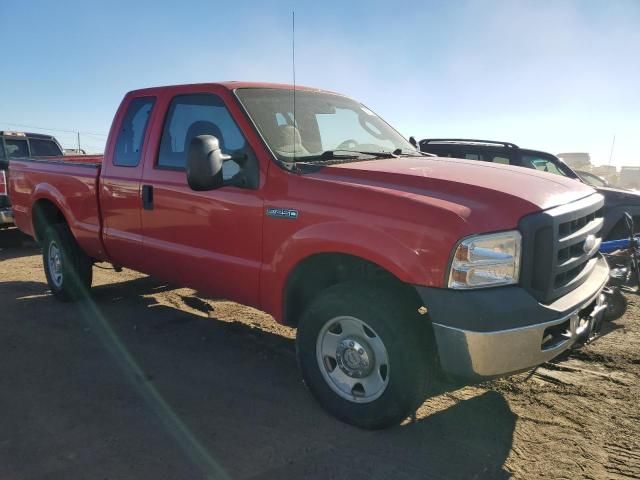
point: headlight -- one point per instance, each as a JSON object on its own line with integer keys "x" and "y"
{"x": 486, "y": 261}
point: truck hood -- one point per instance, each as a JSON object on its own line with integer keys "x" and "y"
{"x": 464, "y": 185}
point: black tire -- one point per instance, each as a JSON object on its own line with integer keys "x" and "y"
{"x": 391, "y": 313}
{"x": 616, "y": 305}
{"x": 74, "y": 275}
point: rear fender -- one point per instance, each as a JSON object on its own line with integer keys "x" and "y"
{"x": 48, "y": 192}
{"x": 86, "y": 234}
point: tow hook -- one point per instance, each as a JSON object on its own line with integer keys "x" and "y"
{"x": 596, "y": 316}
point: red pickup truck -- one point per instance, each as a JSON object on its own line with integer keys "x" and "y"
{"x": 392, "y": 264}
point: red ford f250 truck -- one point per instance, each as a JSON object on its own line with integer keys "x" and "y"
{"x": 390, "y": 263}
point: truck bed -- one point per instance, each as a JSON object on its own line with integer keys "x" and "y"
{"x": 68, "y": 182}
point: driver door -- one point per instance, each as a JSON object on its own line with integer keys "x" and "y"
{"x": 210, "y": 241}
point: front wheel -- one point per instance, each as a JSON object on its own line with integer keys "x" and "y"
{"x": 67, "y": 268}
{"x": 364, "y": 353}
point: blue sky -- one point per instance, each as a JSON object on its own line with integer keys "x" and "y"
{"x": 555, "y": 75}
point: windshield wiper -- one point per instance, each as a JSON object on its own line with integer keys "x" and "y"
{"x": 342, "y": 155}
{"x": 412, "y": 153}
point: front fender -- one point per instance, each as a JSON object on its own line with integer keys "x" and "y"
{"x": 415, "y": 264}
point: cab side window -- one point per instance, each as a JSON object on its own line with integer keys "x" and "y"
{"x": 132, "y": 131}
{"x": 501, "y": 160}
{"x": 542, "y": 164}
{"x": 44, "y": 148}
{"x": 16, "y": 148}
{"x": 193, "y": 115}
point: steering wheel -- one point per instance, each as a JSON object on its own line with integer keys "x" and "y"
{"x": 350, "y": 144}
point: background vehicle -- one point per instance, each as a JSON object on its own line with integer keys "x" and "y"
{"x": 6, "y": 215}
{"x": 630, "y": 178}
{"x": 623, "y": 257}
{"x": 617, "y": 201}
{"x": 18, "y": 145}
{"x": 24, "y": 144}
{"x": 390, "y": 264}
{"x": 75, "y": 151}
{"x": 592, "y": 179}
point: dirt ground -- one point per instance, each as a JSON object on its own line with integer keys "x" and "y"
{"x": 149, "y": 381}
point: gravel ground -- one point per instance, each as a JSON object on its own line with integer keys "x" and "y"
{"x": 150, "y": 381}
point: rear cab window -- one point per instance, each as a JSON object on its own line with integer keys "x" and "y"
{"x": 132, "y": 132}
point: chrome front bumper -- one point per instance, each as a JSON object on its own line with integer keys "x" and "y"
{"x": 493, "y": 332}
{"x": 492, "y": 354}
{"x": 6, "y": 216}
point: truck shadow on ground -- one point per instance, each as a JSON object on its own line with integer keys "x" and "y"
{"x": 14, "y": 244}
{"x": 200, "y": 393}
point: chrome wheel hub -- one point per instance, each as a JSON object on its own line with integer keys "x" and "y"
{"x": 55, "y": 264}
{"x": 352, "y": 359}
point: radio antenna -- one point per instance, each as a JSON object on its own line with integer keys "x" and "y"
{"x": 293, "y": 63}
{"x": 610, "y": 153}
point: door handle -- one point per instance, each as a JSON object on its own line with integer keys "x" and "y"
{"x": 147, "y": 197}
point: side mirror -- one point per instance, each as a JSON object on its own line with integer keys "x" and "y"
{"x": 413, "y": 141}
{"x": 628, "y": 219}
{"x": 204, "y": 163}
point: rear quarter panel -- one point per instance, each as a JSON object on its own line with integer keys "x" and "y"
{"x": 70, "y": 185}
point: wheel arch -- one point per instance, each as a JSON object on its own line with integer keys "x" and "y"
{"x": 317, "y": 272}
{"x": 45, "y": 211}
{"x": 326, "y": 249}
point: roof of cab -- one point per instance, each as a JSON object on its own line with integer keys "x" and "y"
{"x": 232, "y": 85}
{"x": 13, "y": 133}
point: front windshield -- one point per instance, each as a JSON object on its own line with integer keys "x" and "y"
{"x": 323, "y": 123}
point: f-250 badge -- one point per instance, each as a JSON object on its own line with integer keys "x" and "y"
{"x": 282, "y": 213}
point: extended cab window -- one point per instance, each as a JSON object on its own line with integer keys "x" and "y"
{"x": 44, "y": 148}
{"x": 16, "y": 148}
{"x": 132, "y": 130}
{"x": 193, "y": 115}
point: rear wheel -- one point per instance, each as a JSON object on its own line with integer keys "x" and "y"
{"x": 364, "y": 353}
{"x": 68, "y": 269}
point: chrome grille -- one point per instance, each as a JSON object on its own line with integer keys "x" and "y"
{"x": 554, "y": 257}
